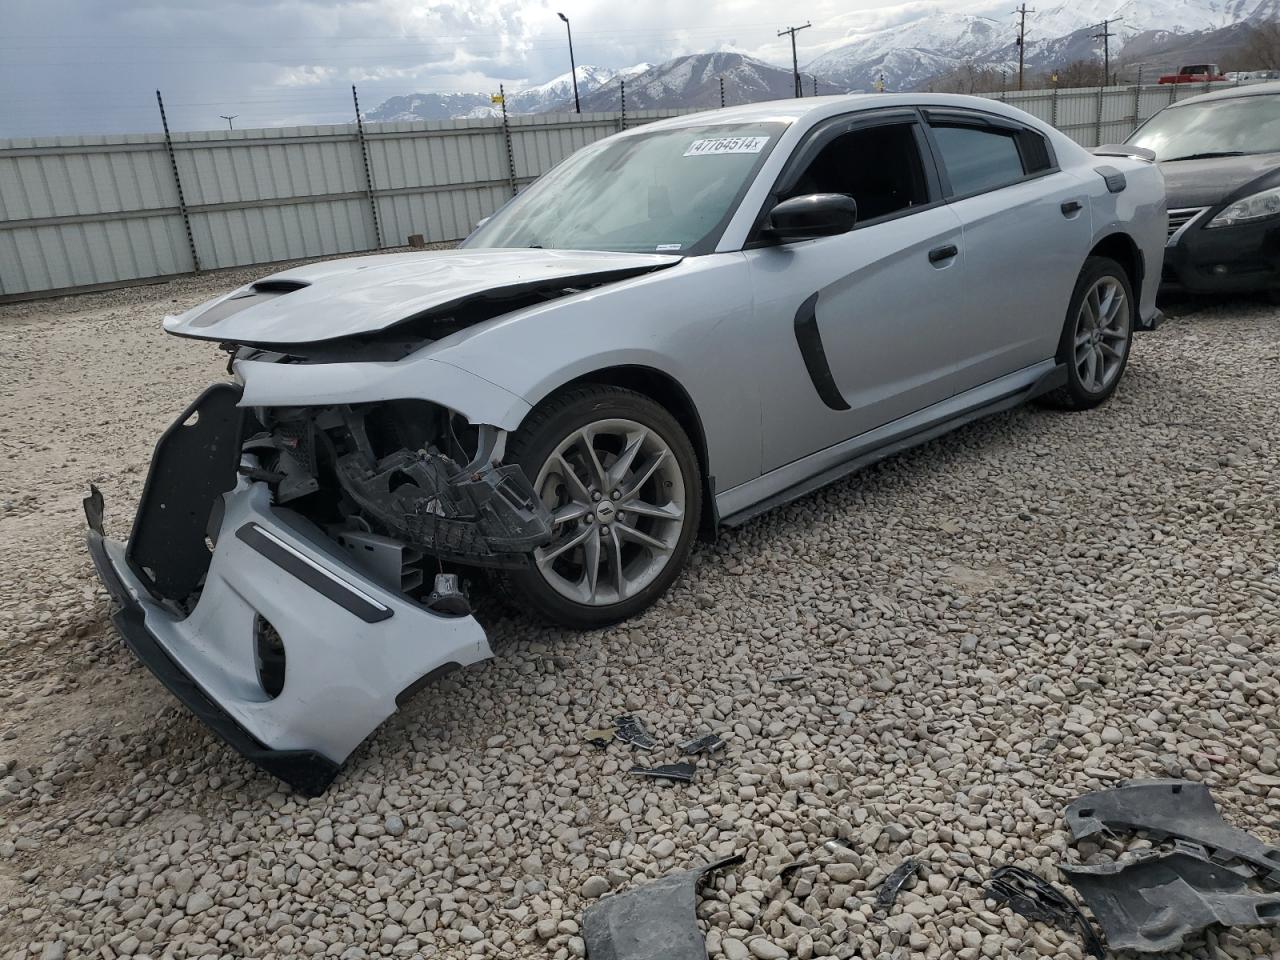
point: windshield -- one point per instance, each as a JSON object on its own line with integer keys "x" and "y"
{"x": 1230, "y": 126}
{"x": 669, "y": 191}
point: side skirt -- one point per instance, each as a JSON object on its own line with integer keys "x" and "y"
{"x": 912, "y": 436}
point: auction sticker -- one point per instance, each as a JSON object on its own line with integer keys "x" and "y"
{"x": 703, "y": 148}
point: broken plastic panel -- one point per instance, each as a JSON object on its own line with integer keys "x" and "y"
{"x": 902, "y": 874}
{"x": 707, "y": 743}
{"x": 629, "y": 729}
{"x": 681, "y": 772}
{"x": 1153, "y": 901}
{"x": 1171, "y": 808}
{"x": 654, "y": 922}
{"x": 1036, "y": 899}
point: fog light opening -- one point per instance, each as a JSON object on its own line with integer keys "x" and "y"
{"x": 268, "y": 648}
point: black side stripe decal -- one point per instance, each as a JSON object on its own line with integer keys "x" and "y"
{"x": 809, "y": 340}
{"x": 313, "y": 574}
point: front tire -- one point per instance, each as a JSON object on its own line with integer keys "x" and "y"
{"x": 1096, "y": 336}
{"x": 623, "y": 485}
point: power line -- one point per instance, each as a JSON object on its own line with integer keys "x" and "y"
{"x": 1022, "y": 12}
{"x": 1105, "y": 36}
{"x": 795, "y": 62}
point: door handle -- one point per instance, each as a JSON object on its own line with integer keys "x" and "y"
{"x": 938, "y": 254}
{"x": 1071, "y": 207}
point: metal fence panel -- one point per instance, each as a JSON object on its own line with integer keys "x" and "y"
{"x": 91, "y": 210}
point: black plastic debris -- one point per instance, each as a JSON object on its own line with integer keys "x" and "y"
{"x": 629, "y": 729}
{"x": 1151, "y": 902}
{"x": 1171, "y": 808}
{"x": 653, "y": 922}
{"x": 894, "y": 883}
{"x": 682, "y": 772}
{"x": 707, "y": 743}
{"x": 787, "y": 869}
{"x": 1029, "y": 896}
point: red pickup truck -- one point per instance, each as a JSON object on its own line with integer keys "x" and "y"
{"x": 1195, "y": 73}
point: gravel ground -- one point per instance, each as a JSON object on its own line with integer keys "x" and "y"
{"x": 1036, "y": 606}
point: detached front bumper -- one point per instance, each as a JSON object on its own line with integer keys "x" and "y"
{"x": 353, "y": 649}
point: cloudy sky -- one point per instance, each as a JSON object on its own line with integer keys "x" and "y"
{"x": 92, "y": 66}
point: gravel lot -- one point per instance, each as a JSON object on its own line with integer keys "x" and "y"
{"x": 1036, "y": 606}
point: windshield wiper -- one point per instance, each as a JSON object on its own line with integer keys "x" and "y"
{"x": 1207, "y": 155}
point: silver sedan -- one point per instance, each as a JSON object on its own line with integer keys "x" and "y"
{"x": 675, "y": 329}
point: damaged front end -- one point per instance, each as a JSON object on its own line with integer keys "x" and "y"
{"x": 405, "y": 469}
{"x": 285, "y": 574}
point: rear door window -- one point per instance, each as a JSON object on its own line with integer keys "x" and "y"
{"x": 977, "y": 158}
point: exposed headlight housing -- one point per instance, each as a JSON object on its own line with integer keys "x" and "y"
{"x": 1264, "y": 203}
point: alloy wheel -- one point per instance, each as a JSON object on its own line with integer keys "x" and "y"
{"x": 1102, "y": 329}
{"x": 616, "y": 495}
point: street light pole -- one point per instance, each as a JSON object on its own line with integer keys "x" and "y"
{"x": 229, "y": 119}
{"x": 573, "y": 67}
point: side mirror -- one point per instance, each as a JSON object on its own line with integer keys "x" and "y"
{"x": 811, "y": 216}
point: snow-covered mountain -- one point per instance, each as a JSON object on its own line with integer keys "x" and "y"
{"x": 694, "y": 81}
{"x": 555, "y": 94}
{"x": 429, "y": 106}
{"x": 915, "y": 40}
{"x": 906, "y": 44}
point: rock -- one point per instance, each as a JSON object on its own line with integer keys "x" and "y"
{"x": 763, "y": 949}
{"x": 595, "y": 886}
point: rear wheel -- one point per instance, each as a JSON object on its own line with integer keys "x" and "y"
{"x": 1096, "y": 336}
{"x": 621, "y": 480}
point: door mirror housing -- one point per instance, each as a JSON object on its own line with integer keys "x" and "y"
{"x": 811, "y": 216}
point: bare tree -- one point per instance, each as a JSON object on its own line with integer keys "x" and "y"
{"x": 1078, "y": 73}
{"x": 969, "y": 77}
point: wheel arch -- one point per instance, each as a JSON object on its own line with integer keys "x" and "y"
{"x": 1122, "y": 248}
{"x": 666, "y": 390}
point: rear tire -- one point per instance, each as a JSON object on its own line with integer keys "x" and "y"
{"x": 623, "y": 484}
{"x": 1096, "y": 336}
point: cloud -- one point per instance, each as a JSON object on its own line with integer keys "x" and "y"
{"x": 84, "y": 66}
{"x": 306, "y": 76}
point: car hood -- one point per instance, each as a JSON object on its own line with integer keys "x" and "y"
{"x": 367, "y": 295}
{"x": 1202, "y": 183}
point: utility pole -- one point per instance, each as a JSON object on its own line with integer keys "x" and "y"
{"x": 1105, "y": 36}
{"x": 573, "y": 67}
{"x": 368, "y": 170}
{"x": 177, "y": 182}
{"x": 1022, "y": 12}
{"x": 795, "y": 63}
{"x": 229, "y": 119}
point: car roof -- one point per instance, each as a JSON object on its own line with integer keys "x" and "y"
{"x": 813, "y": 109}
{"x": 1252, "y": 90}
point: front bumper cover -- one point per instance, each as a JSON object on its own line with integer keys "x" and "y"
{"x": 1243, "y": 258}
{"x": 353, "y": 647}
